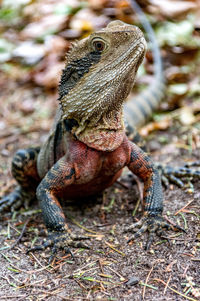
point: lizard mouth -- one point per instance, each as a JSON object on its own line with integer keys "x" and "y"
{"x": 136, "y": 52}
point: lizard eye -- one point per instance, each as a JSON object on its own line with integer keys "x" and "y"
{"x": 98, "y": 45}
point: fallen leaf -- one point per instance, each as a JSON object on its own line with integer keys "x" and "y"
{"x": 86, "y": 20}
{"x": 178, "y": 89}
{"x": 153, "y": 126}
{"x": 177, "y": 34}
{"x": 186, "y": 116}
{"x": 50, "y": 76}
{"x": 172, "y": 9}
{"x": 5, "y": 50}
{"x": 29, "y": 52}
{"x": 45, "y": 26}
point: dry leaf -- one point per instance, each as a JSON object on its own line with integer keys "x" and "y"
{"x": 186, "y": 116}
{"x": 50, "y": 76}
{"x": 45, "y": 26}
{"x": 153, "y": 126}
{"x": 29, "y": 52}
{"x": 86, "y": 20}
{"x": 172, "y": 9}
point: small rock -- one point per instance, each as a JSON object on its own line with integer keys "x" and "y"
{"x": 132, "y": 281}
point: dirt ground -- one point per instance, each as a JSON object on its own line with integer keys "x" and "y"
{"x": 111, "y": 269}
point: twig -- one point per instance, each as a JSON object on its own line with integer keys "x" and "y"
{"x": 114, "y": 249}
{"x": 119, "y": 275}
{"x": 184, "y": 207}
{"x": 166, "y": 286}
{"x": 172, "y": 289}
{"x": 81, "y": 226}
{"x": 136, "y": 207}
{"x": 122, "y": 184}
{"x": 144, "y": 289}
{"x": 21, "y": 235}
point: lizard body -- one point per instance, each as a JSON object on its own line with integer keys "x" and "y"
{"x": 87, "y": 147}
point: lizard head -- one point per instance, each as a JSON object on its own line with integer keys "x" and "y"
{"x": 99, "y": 74}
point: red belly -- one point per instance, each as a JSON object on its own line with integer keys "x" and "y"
{"x": 93, "y": 187}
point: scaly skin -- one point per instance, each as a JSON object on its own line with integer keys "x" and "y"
{"x": 87, "y": 147}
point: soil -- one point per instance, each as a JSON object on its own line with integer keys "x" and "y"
{"x": 111, "y": 269}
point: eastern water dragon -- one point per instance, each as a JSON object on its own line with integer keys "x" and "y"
{"x": 87, "y": 147}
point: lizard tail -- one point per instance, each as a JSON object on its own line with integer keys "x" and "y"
{"x": 141, "y": 107}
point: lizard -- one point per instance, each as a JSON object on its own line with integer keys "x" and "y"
{"x": 87, "y": 147}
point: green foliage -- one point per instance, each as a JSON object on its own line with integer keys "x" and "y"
{"x": 177, "y": 34}
{"x": 5, "y": 50}
{"x": 7, "y": 14}
{"x": 10, "y": 10}
{"x": 64, "y": 9}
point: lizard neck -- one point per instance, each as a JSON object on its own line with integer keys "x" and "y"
{"x": 106, "y": 135}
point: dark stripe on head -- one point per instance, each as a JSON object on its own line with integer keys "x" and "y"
{"x": 75, "y": 71}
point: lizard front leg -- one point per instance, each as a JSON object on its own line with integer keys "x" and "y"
{"x": 61, "y": 175}
{"x": 152, "y": 221}
{"x": 168, "y": 174}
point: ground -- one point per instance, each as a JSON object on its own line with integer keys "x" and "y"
{"x": 101, "y": 273}
{"x": 111, "y": 269}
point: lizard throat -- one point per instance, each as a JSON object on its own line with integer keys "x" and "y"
{"x": 106, "y": 135}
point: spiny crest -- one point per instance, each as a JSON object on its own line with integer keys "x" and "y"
{"x": 73, "y": 45}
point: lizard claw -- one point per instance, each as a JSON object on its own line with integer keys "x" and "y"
{"x": 16, "y": 199}
{"x": 152, "y": 224}
{"x": 60, "y": 240}
{"x": 13, "y": 200}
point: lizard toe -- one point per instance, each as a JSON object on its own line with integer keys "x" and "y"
{"x": 154, "y": 225}
{"x": 175, "y": 175}
{"x": 60, "y": 241}
{"x": 13, "y": 200}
